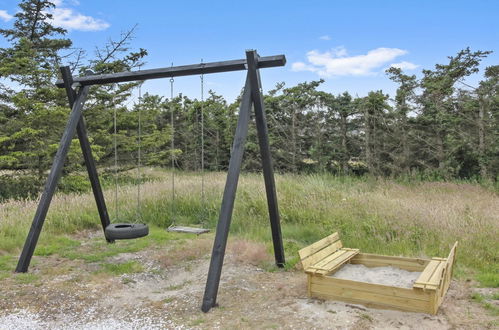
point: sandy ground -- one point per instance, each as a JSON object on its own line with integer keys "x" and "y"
{"x": 168, "y": 296}
{"x": 379, "y": 275}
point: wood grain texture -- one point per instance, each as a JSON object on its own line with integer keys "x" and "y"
{"x": 426, "y": 296}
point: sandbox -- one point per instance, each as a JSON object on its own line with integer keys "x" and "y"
{"x": 323, "y": 259}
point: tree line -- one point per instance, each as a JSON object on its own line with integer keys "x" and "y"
{"x": 436, "y": 126}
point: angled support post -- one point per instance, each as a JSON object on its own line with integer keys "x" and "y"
{"x": 251, "y": 95}
{"x": 263, "y": 139}
{"x": 53, "y": 179}
{"x": 86, "y": 150}
{"x": 225, "y": 217}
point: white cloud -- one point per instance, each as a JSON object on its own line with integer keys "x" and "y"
{"x": 339, "y": 51}
{"x": 337, "y": 63}
{"x": 326, "y": 37}
{"x": 5, "y": 16}
{"x": 70, "y": 19}
{"x": 404, "y": 65}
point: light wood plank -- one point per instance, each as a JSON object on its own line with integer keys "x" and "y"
{"x": 335, "y": 255}
{"x": 413, "y": 268}
{"x": 369, "y": 297}
{"x": 392, "y": 259}
{"x": 436, "y": 278}
{"x": 425, "y": 281}
{"x": 318, "y": 256}
{"x": 337, "y": 262}
{"x": 317, "y": 246}
{"x": 371, "y": 287}
{"x": 373, "y": 260}
{"x": 188, "y": 230}
{"x": 449, "y": 269}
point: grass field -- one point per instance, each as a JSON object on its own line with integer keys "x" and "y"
{"x": 418, "y": 219}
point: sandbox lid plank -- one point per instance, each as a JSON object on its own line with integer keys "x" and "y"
{"x": 319, "y": 245}
{"x": 436, "y": 278}
{"x": 431, "y": 275}
{"x": 335, "y": 256}
{"x": 320, "y": 255}
{"x": 334, "y": 261}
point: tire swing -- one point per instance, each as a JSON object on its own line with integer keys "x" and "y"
{"x": 173, "y": 227}
{"x": 122, "y": 230}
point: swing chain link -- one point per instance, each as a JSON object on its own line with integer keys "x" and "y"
{"x": 203, "y": 201}
{"x": 115, "y": 142}
{"x": 139, "y": 156}
{"x": 172, "y": 121}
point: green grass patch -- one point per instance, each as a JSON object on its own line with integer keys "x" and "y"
{"x": 4, "y": 274}
{"x": 27, "y": 278}
{"x": 7, "y": 263}
{"x": 129, "y": 267}
{"x": 99, "y": 250}
{"x": 477, "y": 297}
{"x": 50, "y": 245}
{"x": 489, "y": 279}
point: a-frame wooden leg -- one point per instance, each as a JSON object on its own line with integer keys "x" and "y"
{"x": 86, "y": 150}
{"x": 225, "y": 217}
{"x": 268, "y": 172}
{"x": 52, "y": 180}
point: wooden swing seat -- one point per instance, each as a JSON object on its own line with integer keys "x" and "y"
{"x": 188, "y": 230}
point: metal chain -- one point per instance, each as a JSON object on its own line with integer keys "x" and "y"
{"x": 115, "y": 164}
{"x": 203, "y": 202}
{"x": 172, "y": 119}
{"x": 139, "y": 160}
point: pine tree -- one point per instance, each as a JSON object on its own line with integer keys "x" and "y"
{"x": 437, "y": 117}
{"x": 35, "y": 109}
{"x": 405, "y": 95}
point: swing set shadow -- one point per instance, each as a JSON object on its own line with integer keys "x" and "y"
{"x": 77, "y": 89}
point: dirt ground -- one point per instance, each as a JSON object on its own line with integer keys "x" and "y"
{"x": 167, "y": 294}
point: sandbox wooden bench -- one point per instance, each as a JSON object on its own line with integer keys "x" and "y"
{"x": 323, "y": 258}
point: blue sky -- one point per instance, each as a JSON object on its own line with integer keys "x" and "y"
{"x": 347, "y": 43}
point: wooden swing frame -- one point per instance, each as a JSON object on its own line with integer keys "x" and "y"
{"x": 251, "y": 99}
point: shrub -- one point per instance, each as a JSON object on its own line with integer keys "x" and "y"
{"x": 74, "y": 184}
{"x": 18, "y": 187}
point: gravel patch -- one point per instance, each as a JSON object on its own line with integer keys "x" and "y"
{"x": 23, "y": 319}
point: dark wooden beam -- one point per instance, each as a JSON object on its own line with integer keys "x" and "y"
{"x": 225, "y": 217}
{"x": 86, "y": 150}
{"x": 51, "y": 185}
{"x": 268, "y": 171}
{"x": 176, "y": 71}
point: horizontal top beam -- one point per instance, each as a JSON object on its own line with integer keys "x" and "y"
{"x": 176, "y": 71}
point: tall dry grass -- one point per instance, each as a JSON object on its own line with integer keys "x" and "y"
{"x": 421, "y": 219}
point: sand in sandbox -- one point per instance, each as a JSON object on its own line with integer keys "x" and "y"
{"x": 388, "y": 275}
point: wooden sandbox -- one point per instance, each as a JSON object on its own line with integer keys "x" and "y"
{"x": 328, "y": 255}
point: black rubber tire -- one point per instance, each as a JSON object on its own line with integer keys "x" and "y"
{"x": 126, "y": 231}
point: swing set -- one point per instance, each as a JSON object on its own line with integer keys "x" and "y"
{"x": 116, "y": 231}
{"x": 174, "y": 227}
{"x": 77, "y": 89}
